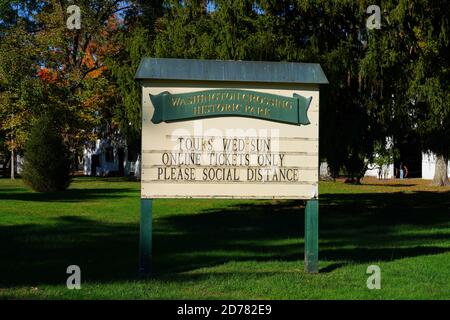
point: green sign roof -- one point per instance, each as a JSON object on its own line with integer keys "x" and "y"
{"x": 226, "y": 70}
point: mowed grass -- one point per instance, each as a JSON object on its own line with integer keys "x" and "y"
{"x": 225, "y": 249}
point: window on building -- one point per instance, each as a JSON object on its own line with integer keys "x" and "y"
{"x": 109, "y": 154}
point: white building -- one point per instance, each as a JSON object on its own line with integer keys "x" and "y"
{"x": 388, "y": 171}
{"x": 427, "y": 172}
{"x": 105, "y": 158}
{"x": 428, "y": 165}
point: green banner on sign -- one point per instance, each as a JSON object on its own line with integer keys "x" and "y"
{"x": 230, "y": 102}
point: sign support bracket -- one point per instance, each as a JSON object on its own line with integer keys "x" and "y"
{"x": 312, "y": 236}
{"x": 145, "y": 238}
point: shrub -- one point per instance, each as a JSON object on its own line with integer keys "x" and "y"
{"x": 46, "y": 160}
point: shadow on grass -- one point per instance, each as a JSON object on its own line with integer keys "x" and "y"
{"x": 353, "y": 228}
{"x": 398, "y": 185}
{"x": 69, "y": 195}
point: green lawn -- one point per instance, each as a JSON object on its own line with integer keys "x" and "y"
{"x": 224, "y": 249}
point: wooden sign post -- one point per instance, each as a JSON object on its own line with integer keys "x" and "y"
{"x": 230, "y": 129}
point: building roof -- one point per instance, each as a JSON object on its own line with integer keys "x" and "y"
{"x": 226, "y": 70}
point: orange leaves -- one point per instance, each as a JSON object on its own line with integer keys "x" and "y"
{"x": 47, "y": 75}
{"x": 90, "y": 60}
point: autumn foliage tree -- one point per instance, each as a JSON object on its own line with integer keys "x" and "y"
{"x": 73, "y": 66}
{"x": 69, "y": 69}
{"x": 18, "y": 88}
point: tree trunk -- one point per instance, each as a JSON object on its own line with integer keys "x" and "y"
{"x": 440, "y": 171}
{"x": 13, "y": 169}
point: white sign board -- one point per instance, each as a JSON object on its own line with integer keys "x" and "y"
{"x": 228, "y": 156}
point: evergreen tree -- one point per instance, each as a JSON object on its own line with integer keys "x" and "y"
{"x": 407, "y": 69}
{"x": 46, "y": 165}
{"x": 429, "y": 86}
{"x": 325, "y": 32}
{"x": 133, "y": 41}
